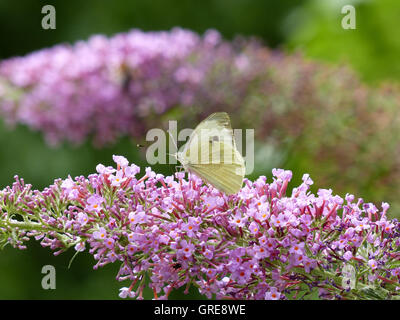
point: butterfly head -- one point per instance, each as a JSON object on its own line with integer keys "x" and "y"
{"x": 179, "y": 156}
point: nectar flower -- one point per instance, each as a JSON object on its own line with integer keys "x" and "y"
{"x": 175, "y": 232}
{"x": 272, "y": 294}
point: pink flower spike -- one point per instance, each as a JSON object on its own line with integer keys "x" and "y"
{"x": 94, "y": 203}
{"x": 297, "y": 248}
{"x": 118, "y": 179}
{"x": 168, "y": 234}
{"x": 121, "y": 161}
{"x": 82, "y": 218}
{"x": 254, "y": 228}
{"x": 372, "y": 264}
{"x": 272, "y": 294}
{"x": 80, "y": 246}
{"x": 100, "y": 234}
{"x": 136, "y": 217}
{"x": 109, "y": 243}
{"x": 348, "y": 255}
{"x": 187, "y": 248}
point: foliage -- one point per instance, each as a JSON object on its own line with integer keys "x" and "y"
{"x": 372, "y": 49}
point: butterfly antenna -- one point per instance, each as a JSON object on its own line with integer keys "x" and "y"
{"x": 173, "y": 140}
{"x": 174, "y": 155}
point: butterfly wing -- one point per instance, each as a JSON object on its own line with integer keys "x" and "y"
{"x": 212, "y": 155}
{"x": 219, "y": 122}
{"x": 227, "y": 178}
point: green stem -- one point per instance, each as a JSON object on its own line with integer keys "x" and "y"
{"x": 24, "y": 225}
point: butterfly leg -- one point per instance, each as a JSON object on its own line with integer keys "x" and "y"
{"x": 180, "y": 168}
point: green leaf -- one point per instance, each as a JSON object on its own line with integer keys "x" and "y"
{"x": 375, "y": 293}
{"x": 393, "y": 264}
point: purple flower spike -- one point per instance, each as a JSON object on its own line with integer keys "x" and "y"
{"x": 256, "y": 244}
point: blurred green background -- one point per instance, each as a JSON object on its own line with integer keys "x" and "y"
{"x": 312, "y": 26}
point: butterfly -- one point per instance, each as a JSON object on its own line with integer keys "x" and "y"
{"x": 211, "y": 154}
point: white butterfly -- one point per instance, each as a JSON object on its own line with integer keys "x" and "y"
{"x": 211, "y": 154}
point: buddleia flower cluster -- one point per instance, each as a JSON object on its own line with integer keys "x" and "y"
{"x": 108, "y": 87}
{"x": 170, "y": 232}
